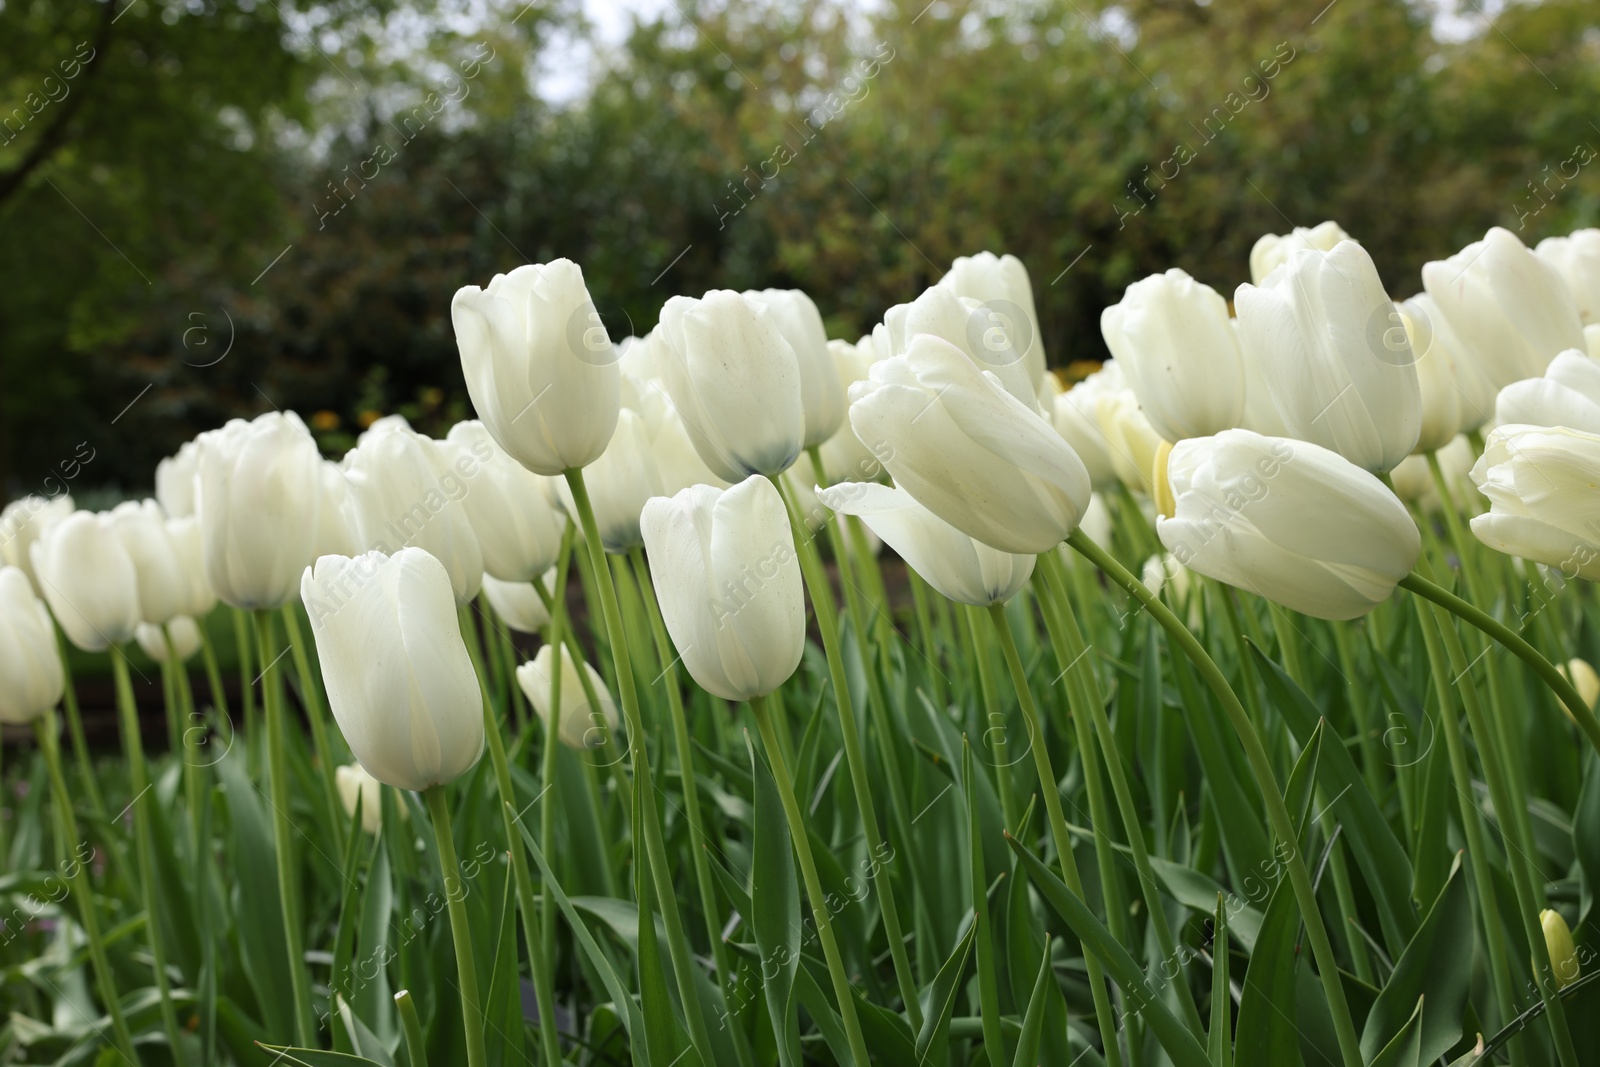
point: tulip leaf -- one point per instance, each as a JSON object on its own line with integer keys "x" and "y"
{"x": 362, "y": 1039}
{"x": 1301, "y": 787}
{"x": 655, "y": 992}
{"x": 1586, "y": 834}
{"x": 311, "y": 1057}
{"x": 775, "y": 900}
{"x": 341, "y": 980}
{"x": 939, "y": 1001}
{"x": 372, "y": 999}
{"x": 1406, "y": 1048}
{"x": 1266, "y": 1032}
{"x": 1027, "y": 1054}
{"x": 1437, "y": 964}
{"x": 1219, "y": 1037}
{"x": 988, "y": 983}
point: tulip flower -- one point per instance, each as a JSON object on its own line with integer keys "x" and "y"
{"x": 1076, "y": 417}
{"x": 1413, "y": 481}
{"x": 1542, "y": 504}
{"x": 399, "y": 680}
{"x": 964, "y": 570}
{"x": 259, "y": 494}
{"x": 1577, "y": 259}
{"x": 1260, "y": 413}
{"x": 1172, "y": 337}
{"x": 166, "y": 555}
{"x": 1131, "y": 442}
{"x": 175, "y": 481}
{"x": 619, "y": 483}
{"x": 1568, "y": 395}
{"x": 355, "y": 783}
{"x": 724, "y": 568}
{"x": 988, "y": 337}
{"x": 517, "y": 603}
{"x": 1096, "y": 521}
{"x": 406, "y": 489}
{"x": 1591, "y": 340}
{"x": 185, "y": 634}
{"x": 1335, "y": 355}
{"x": 22, "y": 522}
{"x": 1455, "y": 396}
{"x": 844, "y": 455}
{"x": 540, "y": 368}
{"x": 580, "y": 725}
{"x": 968, "y": 450}
{"x": 1560, "y": 948}
{"x": 1583, "y": 678}
{"x": 31, "y": 678}
{"x": 508, "y": 506}
{"x": 1000, "y": 287}
{"x": 1289, "y": 520}
{"x": 1510, "y": 309}
{"x": 821, "y": 395}
{"x": 735, "y": 381}
{"x": 89, "y": 580}
{"x": 1273, "y": 250}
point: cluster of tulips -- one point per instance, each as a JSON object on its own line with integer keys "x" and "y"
{"x": 1301, "y": 444}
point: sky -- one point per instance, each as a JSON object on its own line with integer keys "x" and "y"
{"x": 570, "y": 66}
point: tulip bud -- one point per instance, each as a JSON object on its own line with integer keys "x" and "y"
{"x": 517, "y": 530}
{"x": 175, "y": 481}
{"x": 540, "y": 368}
{"x": 821, "y": 394}
{"x": 1558, "y": 944}
{"x": 968, "y": 450}
{"x": 1583, "y": 679}
{"x": 1075, "y": 416}
{"x": 89, "y": 581}
{"x": 166, "y": 555}
{"x": 619, "y": 483}
{"x": 1577, "y": 259}
{"x": 1288, "y": 520}
{"x": 1510, "y": 309}
{"x": 1568, "y": 395}
{"x": 517, "y": 603}
{"x": 1096, "y": 522}
{"x": 581, "y": 726}
{"x": 1004, "y": 296}
{"x": 1335, "y": 355}
{"x": 1412, "y": 481}
{"x": 735, "y": 381}
{"x": 22, "y": 522}
{"x": 1172, "y": 337}
{"x": 725, "y": 571}
{"x": 31, "y": 679}
{"x": 259, "y": 494}
{"x": 1131, "y": 442}
{"x": 353, "y": 783}
{"x": 844, "y": 456}
{"x": 988, "y": 338}
{"x": 1274, "y": 250}
{"x": 399, "y": 680}
{"x": 1542, "y": 505}
{"x": 185, "y": 634}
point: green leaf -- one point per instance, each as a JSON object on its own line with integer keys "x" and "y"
{"x": 655, "y": 992}
{"x": 372, "y": 999}
{"x": 775, "y": 918}
{"x": 1266, "y": 1032}
{"x": 1033, "y": 1018}
{"x": 939, "y": 1003}
{"x": 362, "y": 1039}
{"x": 1298, "y": 794}
{"x": 311, "y": 1057}
{"x": 1437, "y": 964}
{"x": 1406, "y": 1048}
{"x": 1586, "y": 834}
{"x": 1219, "y": 1039}
{"x": 988, "y": 982}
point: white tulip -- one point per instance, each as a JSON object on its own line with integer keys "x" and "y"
{"x": 1576, "y": 258}
{"x": 540, "y": 368}
{"x": 580, "y": 726}
{"x": 1076, "y": 417}
{"x": 964, "y": 570}
{"x": 1131, "y": 442}
{"x": 619, "y": 483}
{"x": 821, "y": 394}
{"x": 1509, "y": 308}
{"x": 1335, "y": 355}
{"x": 1542, "y": 504}
{"x": 518, "y": 604}
{"x": 1289, "y": 520}
{"x": 844, "y": 456}
{"x": 735, "y": 381}
{"x": 175, "y": 481}
{"x": 1004, "y": 293}
{"x": 1096, "y": 522}
{"x": 31, "y": 678}
{"x": 1456, "y": 397}
{"x": 507, "y": 505}
{"x": 1591, "y": 340}
{"x": 1568, "y": 395}
{"x": 166, "y": 555}
{"x": 185, "y": 633}
{"x": 89, "y": 580}
{"x": 399, "y": 680}
{"x": 969, "y": 451}
{"x": 1413, "y": 481}
{"x": 22, "y": 522}
{"x": 1273, "y": 250}
{"x": 1172, "y": 337}
{"x": 986, "y": 336}
{"x": 725, "y": 572}
{"x": 1260, "y": 413}
{"x": 352, "y": 783}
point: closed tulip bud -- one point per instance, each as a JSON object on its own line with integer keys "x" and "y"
{"x": 1172, "y": 337}
{"x": 175, "y": 481}
{"x": 581, "y": 726}
{"x": 31, "y": 679}
{"x": 1273, "y": 250}
{"x": 1260, "y": 412}
{"x": 1131, "y": 442}
{"x": 89, "y": 580}
{"x": 735, "y": 381}
{"x": 399, "y": 680}
{"x": 1413, "y": 481}
{"x": 166, "y": 556}
{"x": 1288, "y": 520}
{"x": 844, "y": 456}
{"x": 506, "y": 504}
{"x": 1455, "y": 396}
{"x": 1568, "y": 395}
{"x": 1583, "y": 679}
{"x": 259, "y": 495}
{"x": 540, "y": 368}
{"x": 1004, "y": 293}
{"x": 1076, "y": 417}
{"x": 1542, "y": 504}
{"x": 987, "y": 337}
{"x": 22, "y": 522}
{"x": 518, "y": 604}
{"x": 725, "y": 571}
{"x": 969, "y": 451}
{"x": 619, "y": 483}
{"x": 336, "y": 535}
{"x": 1335, "y": 355}
{"x": 821, "y": 395}
{"x": 1577, "y": 259}
{"x": 354, "y": 783}
{"x": 406, "y": 491}
{"x": 1510, "y": 309}
{"x": 1096, "y": 522}
{"x": 1558, "y": 945}
{"x": 964, "y": 570}
{"x": 183, "y": 630}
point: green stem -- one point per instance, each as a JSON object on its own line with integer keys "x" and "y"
{"x": 242, "y": 621}
{"x": 808, "y": 869}
{"x": 1266, "y": 781}
{"x": 416, "y": 1046}
{"x": 994, "y": 729}
{"x": 311, "y": 697}
{"x": 80, "y": 747}
{"x": 188, "y": 751}
{"x": 219, "y": 695}
{"x": 460, "y": 931}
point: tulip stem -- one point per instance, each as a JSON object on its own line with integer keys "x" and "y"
{"x": 460, "y": 932}
{"x": 80, "y": 747}
{"x": 1266, "y": 781}
{"x": 282, "y": 829}
{"x": 683, "y": 962}
{"x": 88, "y": 918}
{"x": 416, "y": 1046}
{"x": 219, "y": 695}
{"x": 1521, "y": 649}
{"x": 311, "y": 697}
{"x": 193, "y": 787}
{"x": 808, "y": 870}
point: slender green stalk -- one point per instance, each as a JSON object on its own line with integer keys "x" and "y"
{"x": 460, "y": 932}
{"x": 311, "y": 696}
{"x": 1266, "y": 781}
{"x": 416, "y": 1045}
{"x": 80, "y": 747}
{"x": 808, "y": 870}
{"x": 282, "y": 828}
{"x": 994, "y": 720}
{"x": 683, "y": 962}
{"x": 247, "y": 693}
{"x": 219, "y": 694}
{"x": 45, "y": 731}
{"x": 187, "y": 750}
